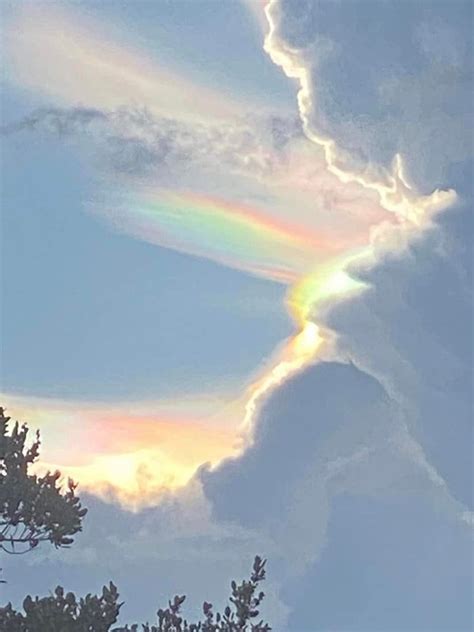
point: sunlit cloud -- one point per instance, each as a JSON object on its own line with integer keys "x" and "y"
{"x": 133, "y": 452}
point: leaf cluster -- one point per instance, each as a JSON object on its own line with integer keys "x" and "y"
{"x": 33, "y": 508}
{"x": 63, "y": 613}
{"x": 237, "y": 617}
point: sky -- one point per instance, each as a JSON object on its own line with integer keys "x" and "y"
{"x": 237, "y": 299}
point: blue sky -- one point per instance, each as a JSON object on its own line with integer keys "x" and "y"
{"x": 245, "y": 238}
{"x": 103, "y": 316}
{"x": 89, "y": 313}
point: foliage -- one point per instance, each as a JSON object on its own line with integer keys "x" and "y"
{"x": 63, "y": 613}
{"x": 33, "y": 508}
{"x": 236, "y": 618}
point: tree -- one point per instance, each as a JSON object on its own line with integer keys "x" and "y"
{"x": 63, "y": 613}
{"x": 33, "y": 508}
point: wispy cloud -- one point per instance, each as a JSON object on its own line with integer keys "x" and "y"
{"x": 60, "y": 54}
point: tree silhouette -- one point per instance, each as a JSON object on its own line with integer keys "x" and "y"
{"x": 63, "y": 613}
{"x": 33, "y": 508}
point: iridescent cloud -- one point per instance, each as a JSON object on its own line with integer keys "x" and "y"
{"x": 132, "y": 451}
{"x": 60, "y": 54}
{"x": 300, "y": 221}
{"x": 237, "y": 235}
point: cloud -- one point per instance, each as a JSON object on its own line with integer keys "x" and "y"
{"x": 137, "y": 141}
{"x": 132, "y": 453}
{"x": 389, "y": 79}
{"x": 360, "y": 473}
{"x": 332, "y": 470}
{"x": 387, "y": 565}
{"x": 332, "y": 429}
{"x": 413, "y": 331}
{"x": 63, "y": 55}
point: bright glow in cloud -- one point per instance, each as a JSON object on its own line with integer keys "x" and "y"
{"x": 329, "y": 282}
{"x": 134, "y": 451}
